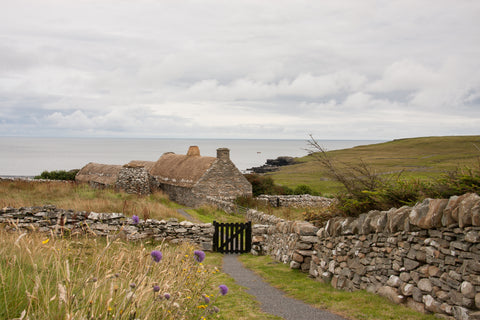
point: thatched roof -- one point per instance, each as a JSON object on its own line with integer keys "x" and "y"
{"x": 148, "y": 165}
{"x": 181, "y": 170}
{"x": 105, "y": 174}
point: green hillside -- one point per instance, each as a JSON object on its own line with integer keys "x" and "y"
{"x": 426, "y": 157}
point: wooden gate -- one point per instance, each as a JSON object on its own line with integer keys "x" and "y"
{"x": 232, "y": 237}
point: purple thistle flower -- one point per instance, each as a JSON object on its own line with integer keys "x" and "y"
{"x": 206, "y": 298}
{"x": 156, "y": 255}
{"x": 135, "y": 219}
{"x": 166, "y": 296}
{"x": 156, "y": 288}
{"x": 199, "y": 255}
{"x": 223, "y": 289}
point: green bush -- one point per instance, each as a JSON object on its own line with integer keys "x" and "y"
{"x": 305, "y": 189}
{"x": 58, "y": 175}
{"x": 265, "y": 185}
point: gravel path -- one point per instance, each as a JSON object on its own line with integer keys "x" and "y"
{"x": 187, "y": 216}
{"x": 272, "y": 300}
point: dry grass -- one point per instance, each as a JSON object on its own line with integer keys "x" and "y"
{"x": 52, "y": 278}
{"x": 81, "y": 197}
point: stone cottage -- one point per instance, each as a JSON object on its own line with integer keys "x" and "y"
{"x": 186, "y": 179}
{"x": 189, "y": 179}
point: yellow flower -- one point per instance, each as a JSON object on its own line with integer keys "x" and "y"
{"x": 45, "y": 241}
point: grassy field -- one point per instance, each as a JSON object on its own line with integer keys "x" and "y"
{"x": 423, "y": 158}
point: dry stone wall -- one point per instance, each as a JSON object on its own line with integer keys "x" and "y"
{"x": 295, "y": 201}
{"x": 426, "y": 256}
{"x": 134, "y": 179}
{"x": 52, "y": 219}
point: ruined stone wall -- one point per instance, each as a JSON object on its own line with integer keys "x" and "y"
{"x": 50, "y": 219}
{"x": 134, "y": 179}
{"x": 426, "y": 256}
{"x": 295, "y": 201}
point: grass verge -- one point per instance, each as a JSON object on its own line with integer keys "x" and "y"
{"x": 358, "y": 305}
{"x": 237, "y": 304}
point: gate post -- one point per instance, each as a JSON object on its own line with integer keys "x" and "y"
{"x": 248, "y": 235}
{"x": 215, "y": 236}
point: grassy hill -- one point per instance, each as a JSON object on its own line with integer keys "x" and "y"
{"x": 426, "y": 157}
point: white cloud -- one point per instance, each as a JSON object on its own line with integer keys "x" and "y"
{"x": 357, "y": 69}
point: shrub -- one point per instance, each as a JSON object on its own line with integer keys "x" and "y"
{"x": 58, "y": 175}
{"x": 305, "y": 189}
{"x": 265, "y": 185}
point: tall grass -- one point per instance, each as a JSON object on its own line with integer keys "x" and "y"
{"x": 53, "y": 278}
{"x": 81, "y": 197}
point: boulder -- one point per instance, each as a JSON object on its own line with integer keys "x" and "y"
{"x": 428, "y": 214}
{"x": 397, "y": 218}
{"x": 469, "y": 210}
{"x": 391, "y": 294}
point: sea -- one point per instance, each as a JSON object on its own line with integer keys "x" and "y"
{"x": 26, "y": 156}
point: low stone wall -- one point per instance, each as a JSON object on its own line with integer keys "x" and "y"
{"x": 426, "y": 256}
{"x": 51, "y": 219}
{"x": 225, "y": 204}
{"x": 295, "y": 201}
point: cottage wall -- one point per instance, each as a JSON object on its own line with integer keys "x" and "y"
{"x": 182, "y": 195}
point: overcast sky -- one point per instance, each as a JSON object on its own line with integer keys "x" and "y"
{"x": 343, "y": 69}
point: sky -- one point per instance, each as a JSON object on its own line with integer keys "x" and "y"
{"x": 269, "y": 69}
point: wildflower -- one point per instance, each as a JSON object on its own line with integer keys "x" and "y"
{"x": 206, "y": 298}
{"x": 223, "y": 289}
{"x": 166, "y": 296}
{"x": 132, "y": 285}
{"x": 156, "y": 255}
{"x": 45, "y": 241}
{"x": 215, "y": 309}
{"x": 199, "y": 255}
{"x": 156, "y": 288}
{"x": 135, "y": 219}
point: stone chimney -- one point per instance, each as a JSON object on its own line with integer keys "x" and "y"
{"x": 193, "y": 151}
{"x": 223, "y": 153}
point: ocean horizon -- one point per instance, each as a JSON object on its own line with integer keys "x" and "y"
{"x": 27, "y": 156}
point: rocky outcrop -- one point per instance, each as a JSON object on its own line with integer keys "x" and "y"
{"x": 272, "y": 165}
